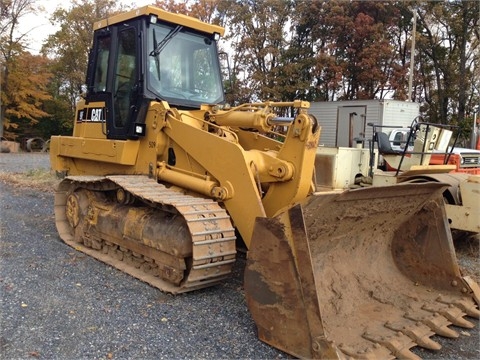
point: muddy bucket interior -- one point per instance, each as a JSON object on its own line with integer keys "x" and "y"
{"x": 368, "y": 273}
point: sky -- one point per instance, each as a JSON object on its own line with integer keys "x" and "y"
{"x": 39, "y": 27}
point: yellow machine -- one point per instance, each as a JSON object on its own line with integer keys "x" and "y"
{"x": 161, "y": 180}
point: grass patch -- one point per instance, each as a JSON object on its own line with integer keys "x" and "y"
{"x": 38, "y": 179}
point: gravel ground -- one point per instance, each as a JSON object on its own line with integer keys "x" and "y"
{"x": 23, "y": 162}
{"x": 57, "y": 303}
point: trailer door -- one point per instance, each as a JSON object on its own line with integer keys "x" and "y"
{"x": 350, "y": 125}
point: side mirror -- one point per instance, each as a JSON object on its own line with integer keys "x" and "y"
{"x": 226, "y": 72}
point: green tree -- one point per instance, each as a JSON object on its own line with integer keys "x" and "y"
{"x": 70, "y": 45}
{"x": 59, "y": 107}
{"x": 313, "y": 50}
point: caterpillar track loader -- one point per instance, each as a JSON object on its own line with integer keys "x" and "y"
{"x": 161, "y": 179}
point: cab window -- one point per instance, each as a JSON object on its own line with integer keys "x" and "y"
{"x": 125, "y": 76}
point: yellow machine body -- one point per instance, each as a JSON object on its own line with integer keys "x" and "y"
{"x": 160, "y": 179}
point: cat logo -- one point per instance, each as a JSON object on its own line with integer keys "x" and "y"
{"x": 91, "y": 115}
{"x": 97, "y": 115}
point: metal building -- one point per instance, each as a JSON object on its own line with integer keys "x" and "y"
{"x": 345, "y": 122}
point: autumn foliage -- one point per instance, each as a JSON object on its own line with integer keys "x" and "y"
{"x": 278, "y": 50}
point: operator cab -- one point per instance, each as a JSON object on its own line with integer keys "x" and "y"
{"x": 149, "y": 54}
{"x": 183, "y": 66}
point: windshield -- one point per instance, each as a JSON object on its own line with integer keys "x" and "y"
{"x": 183, "y": 66}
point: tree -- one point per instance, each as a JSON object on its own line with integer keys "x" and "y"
{"x": 257, "y": 31}
{"x": 70, "y": 45}
{"x": 288, "y": 49}
{"x": 448, "y": 48}
{"x": 23, "y": 77}
{"x": 204, "y": 10}
{"x": 27, "y": 91}
{"x": 353, "y": 48}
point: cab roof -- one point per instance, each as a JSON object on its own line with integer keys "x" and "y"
{"x": 179, "y": 19}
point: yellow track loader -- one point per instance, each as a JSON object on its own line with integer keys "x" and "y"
{"x": 161, "y": 178}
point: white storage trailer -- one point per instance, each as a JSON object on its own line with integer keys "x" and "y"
{"x": 343, "y": 152}
{"x": 343, "y": 122}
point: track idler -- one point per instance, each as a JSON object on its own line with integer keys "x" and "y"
{"x": 368, "y": 273}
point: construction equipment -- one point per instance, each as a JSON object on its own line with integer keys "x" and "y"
{"x": 432, "y": 159}
{"x": 160, "y": 179}
{"x": 428, "y": 157}
{"x": 466, "y": 161}
{"x": 462, "y": 170}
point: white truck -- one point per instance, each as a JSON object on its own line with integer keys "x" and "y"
{"x": 465, "y": 160}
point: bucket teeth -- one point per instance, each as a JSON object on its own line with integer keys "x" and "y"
{"x": 467, "y": 305}
{"x": 473, "y": 287}
{"x": 399, "y": 344}
{"x": 325, "y": 290}
{"x": 418, "y": 332}
{"x": 437, "y": 323}
{"x": 452, "y": 313}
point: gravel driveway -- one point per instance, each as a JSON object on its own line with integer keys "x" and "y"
{"x": 23, "y": 162}
{"x": 57, "y": 303}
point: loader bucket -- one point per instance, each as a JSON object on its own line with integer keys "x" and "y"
{"x": 367, "y": 273}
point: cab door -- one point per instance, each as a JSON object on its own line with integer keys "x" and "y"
{"x": 125, "y": 88}
{"x": 114, "y": 77}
